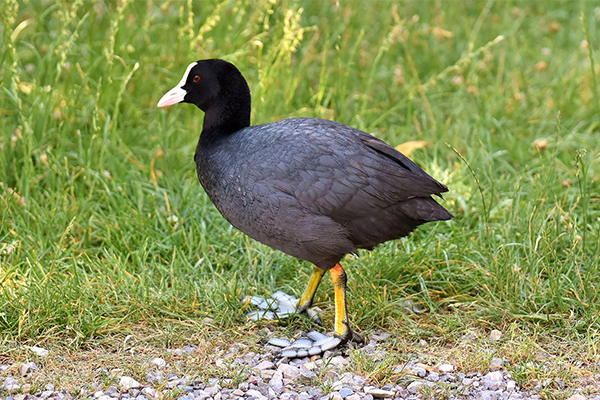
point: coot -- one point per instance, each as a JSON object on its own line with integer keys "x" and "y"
{"x": 312, "y": 188}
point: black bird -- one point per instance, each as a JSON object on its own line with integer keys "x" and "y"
{"x": 312, "y": 188}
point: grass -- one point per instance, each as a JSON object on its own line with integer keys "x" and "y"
{"x": 105, "y": 232}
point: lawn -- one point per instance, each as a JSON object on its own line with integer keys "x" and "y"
{"x": 105, "y": 231}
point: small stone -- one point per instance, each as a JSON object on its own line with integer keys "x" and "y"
{"x": 238, "y": 392}
{"x": 419, "y": 371}
{"x": 11, "y": 384}
{"x": 310, "y": 365}
{"x": 339, "y": 361}
{"x": 46, "y": 393}
{"x": 415, "y": 386}
{"x": 467, "y": 381}
{"x": 254, "y": 380}
{"x": 495, "y": 334}
{"x": 381, "y": 336}
{"x": 253, "y": 393}
{"x": 40, "y": 351}
{"x": 446, "y": 368}
{"x": 274, "y": 391}
{"x": 289, "y": 371}
{"x": 494, "y": 376}
{"x": 212, "y": 390}
{"x": 211, "y": 381}
{"x": 496, "y": 364}
{"x": 154, "y": 377}
{"x": 511, "y": 385}
{"x": 335, "y": 396}
{"x": 159, "y": 362}
{"x": 264, "y": 365}
{"x": 291, "y": 395}
{"x": 127, "y": 382}
{"x": 433, "y": 377}
{"x": 27, "y": 368}
{"x": 306, "y": 373}
{"x": 487, "y": 395}
{"x": 353, "y": 397}
{"x": 189, "y": 349}
{"x": 345, "y": 392}
{"x": 493, "y": 381}
{"x": 276, "y": 381}
{"x": 379, "y": 393}
{"x": 577, "y": 397}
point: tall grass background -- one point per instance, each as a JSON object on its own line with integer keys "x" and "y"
{"x": 104, "y": 228}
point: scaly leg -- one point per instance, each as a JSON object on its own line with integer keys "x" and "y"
{"x": 342, "y": 324}
{"x": 308, "y": 295}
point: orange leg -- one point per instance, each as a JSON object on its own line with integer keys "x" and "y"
{"x": 342, "y": 324}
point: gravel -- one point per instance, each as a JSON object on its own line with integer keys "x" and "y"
{"x": 270, "y": 377}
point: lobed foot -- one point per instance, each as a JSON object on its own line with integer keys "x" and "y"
{"x": 315, "y": 344}
{"x": 280, "y": 305}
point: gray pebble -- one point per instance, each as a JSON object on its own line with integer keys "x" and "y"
{"x": 487, "y": 395}
{"x": 433, "y": 377}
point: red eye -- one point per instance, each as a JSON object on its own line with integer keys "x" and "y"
{"x": 196, "y": 78}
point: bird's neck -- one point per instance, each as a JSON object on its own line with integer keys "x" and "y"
{"x": 224, "y": 119}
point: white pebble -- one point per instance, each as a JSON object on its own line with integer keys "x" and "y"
{"x": 128, "y": 382}
{"x": 263, "y": 365}
{"x": 511, "y": 385}
{"x": 494, "y": 376}
{"x": 289, "y": 371}
{"x": 336, "y": 396}
{"x": 495, "y": 334}
{"x": 11, "y": 384}
{"x": 27, "y": 368}
{"x": 40, "y": 351}
{"x": 446, "y": 368}
{"x": 159, "y": 362}
{"x": 379, "y": 393}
